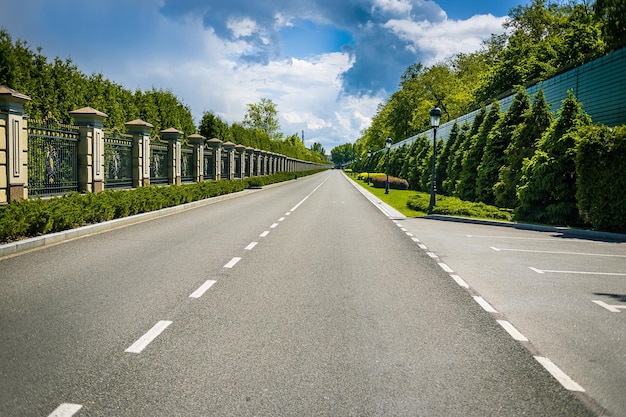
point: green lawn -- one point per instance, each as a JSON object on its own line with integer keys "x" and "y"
{"x": 415, "y": 204}
{"x": 396, "y": 198}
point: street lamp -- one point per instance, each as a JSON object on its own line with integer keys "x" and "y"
{"x": 388, "y": 146}
{"x": 369, "y": 155}
{"x": 435, "y": 117}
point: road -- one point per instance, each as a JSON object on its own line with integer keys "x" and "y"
{"x": 301, "y": 299}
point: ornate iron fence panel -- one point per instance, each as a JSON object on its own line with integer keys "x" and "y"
{"x": 186, "y": 164}
{"x": 118, "y": 160}
{"x": 225, "y": 168}
{"x": 208, "y": 164}
{"x": 238, "y": 166}
{"x": 158, "y": 163}
{"x": 52, "y": 158}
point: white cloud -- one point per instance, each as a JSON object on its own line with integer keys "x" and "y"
{"x": 448, "y": 37}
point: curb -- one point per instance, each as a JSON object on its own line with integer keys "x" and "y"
{"x": 58, "y": 237}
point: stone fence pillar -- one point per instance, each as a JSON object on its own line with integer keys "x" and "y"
{"x": 215, "y": 145}
{"x": 90, "y": 149}
{"x": 197, "y": 141}
{"x": 172, "y": 137}
{"x": 240, "y": 161}
{"x": 249, "y": 161}
{"x": 140, "y": 131}
{"x": 13, "y": 146}
{"x": 229, "y": 148}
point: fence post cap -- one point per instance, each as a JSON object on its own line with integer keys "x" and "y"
{"x": 214, "y": 142}
{"x": 88, "y": 116}
{"x": 196, "y": 138}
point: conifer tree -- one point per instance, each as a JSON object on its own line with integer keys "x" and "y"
{"x": 467, "y": 182}
{"x": 497, "y": 141}
{"x": 547, "y": 192}
{"x": 523, "y": 144}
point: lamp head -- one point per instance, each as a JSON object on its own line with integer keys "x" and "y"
{"x": 388, "y": 143}
{"x": 435, "y": 117}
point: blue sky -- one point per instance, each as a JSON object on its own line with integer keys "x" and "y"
{"x": 327, "y": 64}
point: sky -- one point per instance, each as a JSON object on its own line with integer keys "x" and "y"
{"x": 326, "y": 64}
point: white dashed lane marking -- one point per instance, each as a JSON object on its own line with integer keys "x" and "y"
{"x": 232, "y": 262}
{"x": 147, "y": 338}
{"x": 66, "y": 410}
{"x": 202, "y": 289}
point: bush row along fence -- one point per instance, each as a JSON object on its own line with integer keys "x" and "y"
{"x": 600, "y": 85}
{"x": 45, "y": 158}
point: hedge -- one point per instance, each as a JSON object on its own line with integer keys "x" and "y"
{"x": 453, "y": 206}
{"x": 32, "y": 217}
{"x": 601, "y": 178}
{"x": 395, "y": 183}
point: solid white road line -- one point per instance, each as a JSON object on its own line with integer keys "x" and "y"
{"x": 611, "y": 308}
{"x": 558, "y": 252}
{"x": 265, "y": 233}
{"x": 553, "y": 271}
{"x": 232, "y": 262}
{"x": 251, "y": 245}
{"x": 560, "y": 376}
{"x": 66, "y": 410}
{"x": 147, "y": 338}
{"x": 509, "y": 237}
{"x": 202, "y": 289}
{"x": 515, "y": 334}
{"x": 484, "y": 304}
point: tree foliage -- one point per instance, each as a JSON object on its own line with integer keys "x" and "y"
{"x": 547, "y": 190}
{"x": 601, "y": 178}
{"x": 263, "y": 116}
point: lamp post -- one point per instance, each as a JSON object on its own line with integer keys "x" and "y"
{"x": 369, "y": 155}
{"x": 388, "y": 146}
{"x": 435, "y": 117}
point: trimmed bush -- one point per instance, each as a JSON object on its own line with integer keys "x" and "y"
{"x": 26, "y": 218}
{"x": 453, "y": 206}
{"x": 395, "y": 183}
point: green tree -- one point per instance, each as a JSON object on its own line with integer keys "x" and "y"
{"x": 497, "y": 142}
{"x": 263, "y": 116}
{"x": 601, "y": 178}
{"x": 343, "y": 154}
{"x": 212, "y": 126}
{"x": 522, "y": 146}
{"x": 547, "y": 190}
{"x": 319, "y": 149}
{"x": 473, "y": 157}
{"x": 611, "y": 16}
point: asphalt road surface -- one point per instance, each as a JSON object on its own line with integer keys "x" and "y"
{"x": 296, "y": 300}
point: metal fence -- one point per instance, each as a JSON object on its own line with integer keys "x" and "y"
{"x": 118, "y": 160}
{"x": 158, "y": 163}
{"x": 186, "y": 164}
{"x": 208, "y": 164}
{"x": 52, "y": 158}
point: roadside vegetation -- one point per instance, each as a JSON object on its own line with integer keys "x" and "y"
{"x": 528, "y": 163}
{"x": 36, "y": 216}
{"x": 415, "y": 203}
